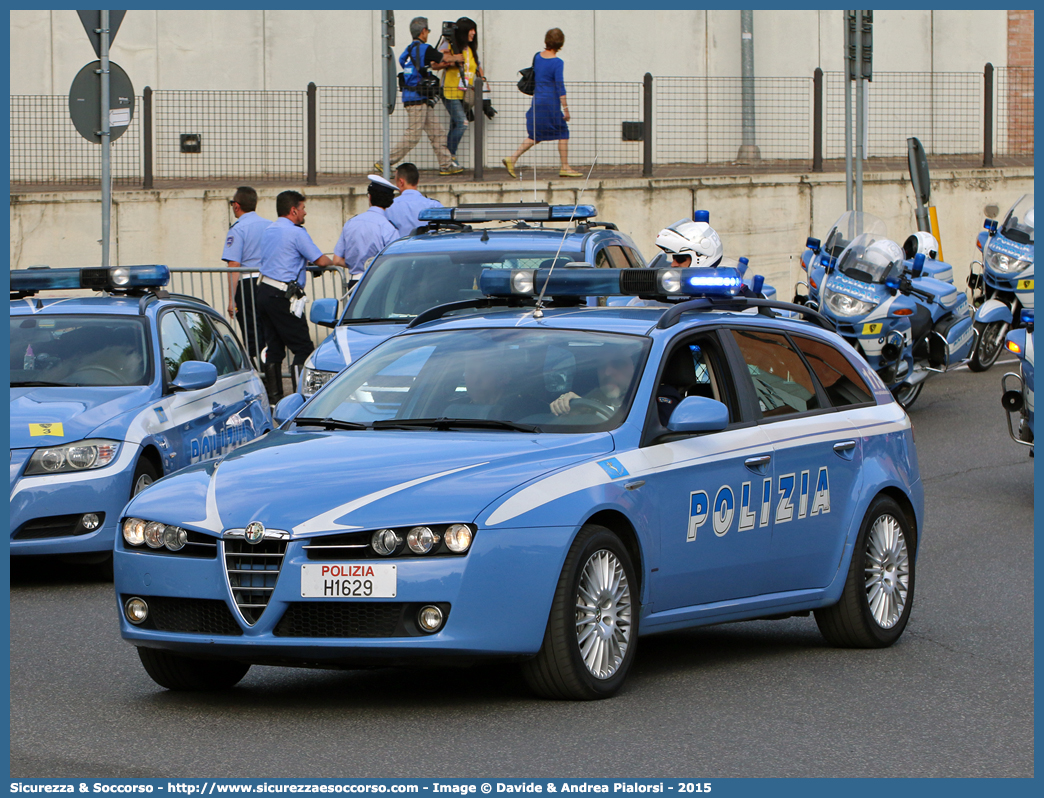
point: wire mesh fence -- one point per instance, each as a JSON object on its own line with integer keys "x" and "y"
{"x": 702, "y": 120}
{"x": 229, "y": 134}
{"x": 46, "y": 149}
{"x": 1014, "y": 117}
{"x": 264, "y": 135}
{"x": 942, "y": 109}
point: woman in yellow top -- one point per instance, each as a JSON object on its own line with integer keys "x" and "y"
{"x": 462, "y": 52}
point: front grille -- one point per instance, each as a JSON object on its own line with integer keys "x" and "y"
{"x": 253, "y": 569}
{"x": 339, "y": 619}
{"x": 189, "y": 616}
{"x": 54, "y": 526}
{"x": 638, "y": 281}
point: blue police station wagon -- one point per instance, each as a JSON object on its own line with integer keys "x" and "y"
{"x": 441, "y": 262}
{"x": 545, "y": 483}
{"x": 111, "y": 392}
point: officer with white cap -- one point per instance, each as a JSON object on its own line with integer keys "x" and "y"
{"x": 366, "y": 234}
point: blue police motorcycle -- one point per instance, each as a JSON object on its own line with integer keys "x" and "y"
{"x": 906, "y": 324}
{"x": 1002, "y": 291}
{"x": 818, "y": 255}
{"x": 1017, "y": 389}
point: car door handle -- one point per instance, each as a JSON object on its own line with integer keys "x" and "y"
{"x": 757, "y": 464}
{"x": 845, "y": 449}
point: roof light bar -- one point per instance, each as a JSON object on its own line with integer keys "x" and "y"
{"x": 720, "y": 282}
{"x": 116, "y": 278}
{"x": 509, "y": 212}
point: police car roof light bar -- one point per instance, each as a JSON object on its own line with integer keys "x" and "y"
{"x": 765, "y": 307}
{"x": 117, "y": 279}
{"x": 584, "y": 280}
{"x": 508, "y": 212}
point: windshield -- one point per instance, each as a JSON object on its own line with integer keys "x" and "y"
{"x": 78, "y": 350}
{"x": 1018, "y": 224}
{"x": 530, "y": 380}
{"x": 871, "y": 260}
{"x": 850, "y": 225}
{"x": 400, "y": 287}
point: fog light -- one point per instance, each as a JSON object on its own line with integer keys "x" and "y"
{"x": 90, "y": 522}
{"x": 154, "y": 531}
{"x": 175, "y": 538}
{"x": 458, "y": 538}
{"x": 134, "y": 531}
{"x": 136, "y": 610}
{"x": 429, "y": 618}
{"x": 385, "y": 541}
{"x": 421, "y": 540}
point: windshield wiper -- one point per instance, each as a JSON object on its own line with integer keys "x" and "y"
{"x": 450, "y": 423}
{"x": 40, "y": 383}
{"x": 329, "y": 423}
{"x": 370, "y": 320}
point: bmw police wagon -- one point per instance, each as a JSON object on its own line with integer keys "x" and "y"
{"x": 111, "y": 392}
{"x": 545, "y": 482}
{"x": 441, "y": 262}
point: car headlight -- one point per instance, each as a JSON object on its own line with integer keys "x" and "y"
{"x": 1000, "y": 262}
{"x": 138, "y": 533}
{"x": 846, "y": 305}
{"x": 79, "y": 456}
{"x": 312, "y": 379}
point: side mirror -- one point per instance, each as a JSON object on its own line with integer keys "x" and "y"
{"x": 324, "y": 312}
{"x": 194, "y": 375}
{"x": 698, "y": 414}
{"x": 287, "y": 406}
{"x": 813, "y": 244}
{"x": 918, "y": 264}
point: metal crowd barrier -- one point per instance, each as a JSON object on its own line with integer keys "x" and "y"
{"x": 210, "y": 284}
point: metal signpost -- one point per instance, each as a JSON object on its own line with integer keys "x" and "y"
{"x": 859, "y": 42}
{"x": 388, "y": 84}
{"x": 112, "y": 110}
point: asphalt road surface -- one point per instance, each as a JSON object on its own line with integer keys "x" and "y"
{"x": 954, "y": 697}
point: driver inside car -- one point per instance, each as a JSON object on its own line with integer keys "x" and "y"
{"x": 615, "y": 372}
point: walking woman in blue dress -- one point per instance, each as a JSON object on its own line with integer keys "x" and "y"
{"x": 547, "y": 116}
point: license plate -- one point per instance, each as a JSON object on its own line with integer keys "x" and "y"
{"x": 348, "y": 580}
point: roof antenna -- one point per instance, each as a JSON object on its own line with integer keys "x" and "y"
{"x": 539, "y": 312}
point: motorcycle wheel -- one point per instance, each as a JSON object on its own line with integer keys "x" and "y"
{"x": 989, "y": 344}
{"x": 906, "y": 394}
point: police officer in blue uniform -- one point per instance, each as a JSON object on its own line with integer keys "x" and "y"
{"x": 405, "y": 211}
{"x": 243, "y": 249}
{"x": 366, "y": 234}
{"x": 286, "y": 249}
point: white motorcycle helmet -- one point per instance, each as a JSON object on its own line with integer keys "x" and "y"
{"x": 921, "y": 242}
{"x": 697, "y": 239}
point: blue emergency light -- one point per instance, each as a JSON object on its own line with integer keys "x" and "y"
{"x": 1026, "y": 316}
{"x": 116, "y": 279}
{"x": 719, "y": 282}
{"x": 509, "y": 212}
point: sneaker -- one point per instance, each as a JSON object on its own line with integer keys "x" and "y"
{"x": 509, "y": 164}
{"x": 452, "y": 168}
{"x": 378, "y": 167}
{"x": 564, "y": 172}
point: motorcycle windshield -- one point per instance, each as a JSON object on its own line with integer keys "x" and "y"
{"x": 851, "y": 225}
{"x": 870, "y": 259}
{"x": 1018, "y": 224}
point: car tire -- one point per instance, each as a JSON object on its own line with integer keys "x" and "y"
{"x": 879, "y": 589}
{"x": 988, "y": 345}
{"x": 906, "y": 394}
{"x": 144, "y": 475}
{"x": 581, "y": 660}
{"x": 178, "y": 672}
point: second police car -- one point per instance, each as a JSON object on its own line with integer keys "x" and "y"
{"x": 545, "y": 484}
{"x": 110, "y": 392}
{"x": 441, "y": 263}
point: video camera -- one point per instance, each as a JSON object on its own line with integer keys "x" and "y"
{"x": 449, "y": 31}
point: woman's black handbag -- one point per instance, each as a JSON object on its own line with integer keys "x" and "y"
{"x": 527, "y": 83}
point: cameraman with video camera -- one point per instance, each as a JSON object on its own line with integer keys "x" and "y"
{"x": 459, "y": 45}
{"x": 420, "y": 92}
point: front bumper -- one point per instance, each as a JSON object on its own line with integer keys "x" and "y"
{"x": 39, "y": 502}
{"x": 496, "y": 598}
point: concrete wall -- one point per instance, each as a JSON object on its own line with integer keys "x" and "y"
{"x": 278, "y": 50}
{"x": 765, "y": 217}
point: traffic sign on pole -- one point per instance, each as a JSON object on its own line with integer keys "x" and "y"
{"x": 85, "y": 101}
{"x": 92, "y": 24}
